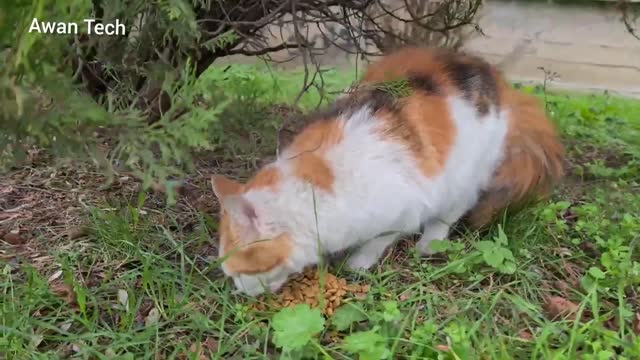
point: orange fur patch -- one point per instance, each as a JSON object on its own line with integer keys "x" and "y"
{"x": 268, "y": 177}
{"x": 317, "y": 137}
{"x": 420, "y": 61}
{"x": 253, "y": 258}
{"x": 424, "y": 124}
{"x": 314, "y": 169}
{"x": 308, "y": 149}
{"x": 430, "y": 117}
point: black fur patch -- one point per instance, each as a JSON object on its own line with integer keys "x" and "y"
{"x": 424, "y": 83}
{"x": 474, "y": 78}
{"x": 375, "y": 99}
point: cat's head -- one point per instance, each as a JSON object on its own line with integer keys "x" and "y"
{"x": 253, "y": 249}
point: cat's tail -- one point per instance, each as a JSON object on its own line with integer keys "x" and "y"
{"x": 533, "y": 162}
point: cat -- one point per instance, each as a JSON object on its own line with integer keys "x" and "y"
{"x": 426, "y": 137}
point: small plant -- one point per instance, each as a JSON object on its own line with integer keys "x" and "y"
{"x": 368, "y": 345}
{"x": 493, "y": 253}
{"x": 397, "y": 88}
{"x": 295, "y": 328}
{"x": 496, "y": 254}
{"x": 346, "y": 315}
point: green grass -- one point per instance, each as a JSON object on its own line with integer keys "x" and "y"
{"x": 144, "y": 287}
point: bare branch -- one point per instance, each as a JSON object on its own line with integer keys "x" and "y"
{"x": 264, "y": 50}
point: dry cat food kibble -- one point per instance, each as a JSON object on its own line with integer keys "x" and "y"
{"x": 306, "y": 288}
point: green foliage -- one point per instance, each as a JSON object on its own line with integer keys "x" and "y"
{"x": 423, "y": 337}
{"x": 44, "y": 99}
{"x": 34, "y": 95}
{"x": 496, "y": 254}
{"x": 493, "y": 253}
{"x": 461, "y": 348}
{"x": 368, "y": 345}
{"x": 346, "y": 315}
{"x": 398, "y": 88}
{"x": 295, "y": 327}
{"x": 164, "y": 148}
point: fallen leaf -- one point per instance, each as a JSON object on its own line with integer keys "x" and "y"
{"x": 66, "y": 325}
{"x": 36, "y": 340}
{"x": 444, "y": 348}
{"x": 590, "y": 249}
{"x": 406, "y": 295}
{"x": 574, "y": 274}
{"x": 360, "y": 296}
{"x": 77, "y": 232}
{"x": 563, "y": 286}
{"x": 612, "y": 324}
{"x": 525, "y": 334}
{"x": 153, "y": 317}
{"x": 123, "y": 298}
{"x": 55, "y": 276}
{"x": 212, "y": 344}
{"x": 562, "y": 251}
{"x": 197, "y": 350}
{"x": 559, "y": 307}
{"x": 64, "y": 291}
{"x": 143, "y": 311}
{"x": 14, "y": 238}
{"x": 94, "y": 279}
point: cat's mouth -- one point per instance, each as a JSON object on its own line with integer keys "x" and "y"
{"x": 256, "y": 285}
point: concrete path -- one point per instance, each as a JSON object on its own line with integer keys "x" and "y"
{"x": 587, "y": 46}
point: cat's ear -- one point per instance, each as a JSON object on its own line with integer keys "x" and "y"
{"x": 223, "y": 186}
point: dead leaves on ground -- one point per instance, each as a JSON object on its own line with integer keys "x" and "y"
{"x": 202, "y": 351}
{"x": 636, "y": 324}
{"x": 14, "y": 238}
{"x": 525, "y": 335}
{"x": 560, "y": 308}
{"x": 65, "y": 292}
{"x": 557, "y": 307}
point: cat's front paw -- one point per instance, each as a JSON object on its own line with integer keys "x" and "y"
{"x": 434, "y": 231}
{"x": 360, "y": 261}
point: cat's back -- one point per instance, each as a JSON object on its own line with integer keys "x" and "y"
{"x": 442, "y": 73}
{"x": 445, "y": 107}
{"x": 438, "y": 106}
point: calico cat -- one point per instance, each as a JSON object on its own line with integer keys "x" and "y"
{"x": 450, "y": 138}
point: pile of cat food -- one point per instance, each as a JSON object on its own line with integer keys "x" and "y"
{"x": 306, "y": 288}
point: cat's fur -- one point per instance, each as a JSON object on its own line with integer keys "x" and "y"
{"x": 377, "y": 165}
